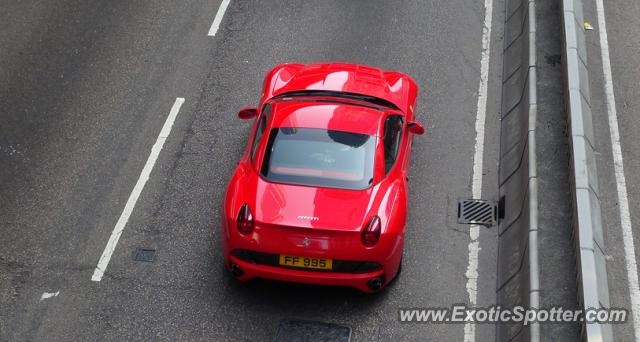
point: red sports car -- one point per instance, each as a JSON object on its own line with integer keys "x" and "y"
{"x": 320, "y": 193}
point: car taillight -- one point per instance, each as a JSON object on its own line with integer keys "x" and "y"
{"x": 371, "y": 233}
{"x": 245, "y": 220}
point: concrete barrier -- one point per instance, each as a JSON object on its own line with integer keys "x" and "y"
{"x": 593, "y": 290}
{"x": 518, "y": 271}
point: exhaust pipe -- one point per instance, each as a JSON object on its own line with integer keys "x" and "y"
{"x": 236, "y": 271}
{"x": 375, "y": 283}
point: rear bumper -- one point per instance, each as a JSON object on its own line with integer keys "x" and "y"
{"x": 359, "y": 281}
{"x": 335, "y": 245}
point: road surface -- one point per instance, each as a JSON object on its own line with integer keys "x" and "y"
{"x": 621, "y": 21}
{"x": 86, "y": 88}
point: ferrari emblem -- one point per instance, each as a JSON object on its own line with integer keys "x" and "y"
{"x": 306, "y": 242}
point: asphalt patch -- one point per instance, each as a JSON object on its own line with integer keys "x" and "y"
{"x": 145, "y": 254}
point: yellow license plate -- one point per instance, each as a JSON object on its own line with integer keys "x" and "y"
{"x": 304, "y": 262}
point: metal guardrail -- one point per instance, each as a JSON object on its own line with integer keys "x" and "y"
{"x": 593, "y": 290}
{"x": 518, "y": 271}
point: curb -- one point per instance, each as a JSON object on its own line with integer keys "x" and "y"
{"x": 518, "y": 271}
{"x": 593, "y": 289}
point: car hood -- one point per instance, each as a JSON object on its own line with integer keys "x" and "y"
{"x": 312, "y": 207}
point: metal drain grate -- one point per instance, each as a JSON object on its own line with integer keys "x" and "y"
{"x": 307, "y": 331}
{"x": 144, "y": 254}
{"x": 476, "y": 211}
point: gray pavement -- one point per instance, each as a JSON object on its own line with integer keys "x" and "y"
{"x": 86, "y": 88}
{"x": 623, "y": 28}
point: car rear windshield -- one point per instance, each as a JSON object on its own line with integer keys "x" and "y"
{"x": 319, "y": 157}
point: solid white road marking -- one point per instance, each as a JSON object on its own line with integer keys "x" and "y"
{"x": 218, "y": 19}
{"x": 476, "y": 186}
{"x": 618, "y": 166}
{"x": 135, "y": 193}
{"x": 48, "y": 295}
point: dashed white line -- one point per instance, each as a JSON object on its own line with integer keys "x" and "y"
{"x": 218, "y": 19}
{"x": 618, "y": 167}
{"x": 135, "y": 193}
{"x": 476, "y": 186}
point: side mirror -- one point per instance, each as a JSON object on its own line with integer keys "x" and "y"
{"x": 415, "y": 127}
{"x": 247, "y": 113}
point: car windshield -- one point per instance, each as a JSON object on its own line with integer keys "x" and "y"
{"x": 319, "y": 157}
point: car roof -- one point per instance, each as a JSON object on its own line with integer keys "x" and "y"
{"x": 327, "y": 115}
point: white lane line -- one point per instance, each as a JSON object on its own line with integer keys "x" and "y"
{"x": 476, "y": 186}
{"x": 218, "y": 19}
{"x": 48, "y": 295}
{"x": 135, "y": 193}
{"x": 618, "y": 166}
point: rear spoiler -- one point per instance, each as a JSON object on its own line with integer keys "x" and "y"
{"x": 366, "y": 98}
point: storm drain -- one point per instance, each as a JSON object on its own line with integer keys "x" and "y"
{"x": 144, "y": 254}
{"x": 307, "y": 331}
{"x": 477, "y": 211}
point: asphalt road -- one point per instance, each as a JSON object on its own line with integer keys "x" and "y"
{"x": 86, "y": 88}
{"x": 623, "y": 28}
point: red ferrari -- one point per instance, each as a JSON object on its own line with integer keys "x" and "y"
{"x": 320, "y": 193}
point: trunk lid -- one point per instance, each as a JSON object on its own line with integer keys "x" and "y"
{"x": 311, "y": 207}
